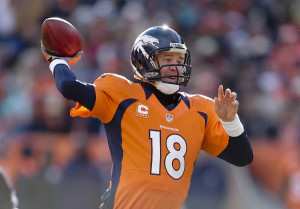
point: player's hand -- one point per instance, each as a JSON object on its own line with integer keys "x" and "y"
{"x": 69, "y": 60}
{"x": 226, "y": 105}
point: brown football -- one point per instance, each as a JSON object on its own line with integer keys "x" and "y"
{"x": 60, "y": 38}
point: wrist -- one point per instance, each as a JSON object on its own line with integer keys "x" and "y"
{"x": 233, "y": 128}
{"x": 57, "y": 62}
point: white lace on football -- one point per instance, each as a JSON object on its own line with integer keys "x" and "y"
{"x": 234, "y": 128}
{"x": 56, "y": 62}
{"x": 166, "y": 88}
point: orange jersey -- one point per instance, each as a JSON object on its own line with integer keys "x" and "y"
{"x": 153, "y": 150}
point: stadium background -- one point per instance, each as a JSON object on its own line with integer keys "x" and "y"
{"x": 251, "y": 46}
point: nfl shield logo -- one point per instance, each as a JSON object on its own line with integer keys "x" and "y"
{"x": 169, "y": 118}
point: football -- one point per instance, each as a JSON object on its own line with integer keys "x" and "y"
{"x": 60, "y": 38}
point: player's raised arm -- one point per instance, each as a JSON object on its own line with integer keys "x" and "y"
{"x": 66, "y": 81}
{"x": 61, "y": 46}
{"x": 238, "y": 151}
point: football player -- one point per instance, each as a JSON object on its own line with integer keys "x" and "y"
{"x": 154, "y": 131}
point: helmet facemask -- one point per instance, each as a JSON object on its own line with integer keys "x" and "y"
{"x": 183, "y": 71}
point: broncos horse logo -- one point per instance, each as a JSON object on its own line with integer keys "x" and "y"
{"x": 144, "y": 40}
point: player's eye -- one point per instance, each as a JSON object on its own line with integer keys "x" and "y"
{"x": 167, "y": 60}
{"x": 180, "y": 61}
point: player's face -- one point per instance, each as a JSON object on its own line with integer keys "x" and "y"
{"x": 170, "y": 58}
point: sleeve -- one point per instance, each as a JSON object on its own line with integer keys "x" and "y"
{"x": 215, "y": 138}
{"x": 72, "y": 89}
{"x": 106, "y": 101}
{"x": 238, "y": 151}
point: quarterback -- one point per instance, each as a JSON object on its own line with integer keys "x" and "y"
{"x": 154, "y": 131}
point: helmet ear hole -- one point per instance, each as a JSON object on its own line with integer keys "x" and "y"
{"x": 139, "y": 63}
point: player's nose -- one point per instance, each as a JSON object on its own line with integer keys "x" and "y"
{"x": 173, "y": 67}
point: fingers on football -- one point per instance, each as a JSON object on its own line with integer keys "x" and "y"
{"x": 78, "y": 54}
{"x": 74, "y": 60}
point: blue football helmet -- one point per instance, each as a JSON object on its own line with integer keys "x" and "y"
{"x": 148, "y": 44}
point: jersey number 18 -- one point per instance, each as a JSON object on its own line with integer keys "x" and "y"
{"x": 173, "y": 154}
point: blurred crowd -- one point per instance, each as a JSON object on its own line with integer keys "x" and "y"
{"x": 249, "y": 46}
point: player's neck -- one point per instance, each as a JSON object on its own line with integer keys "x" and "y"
{"x": 165, "y": 99}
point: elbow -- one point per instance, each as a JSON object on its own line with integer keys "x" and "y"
{"x": 248, "y": 159}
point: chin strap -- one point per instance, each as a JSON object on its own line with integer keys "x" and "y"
{"x": 166, "y": 88}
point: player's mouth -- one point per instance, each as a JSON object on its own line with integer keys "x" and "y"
{"x": 170, "y": 79}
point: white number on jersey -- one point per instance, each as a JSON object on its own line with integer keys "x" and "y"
{"x": 174, "y": 154}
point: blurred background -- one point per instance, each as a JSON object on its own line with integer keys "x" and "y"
{"x": 54, "y": 161}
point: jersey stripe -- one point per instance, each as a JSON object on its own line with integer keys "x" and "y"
{"x": 204, "y": 115}
{"x": 113, "y": 133}
{"x": 148, "y": 93}
{"x": 186, "y": 100}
